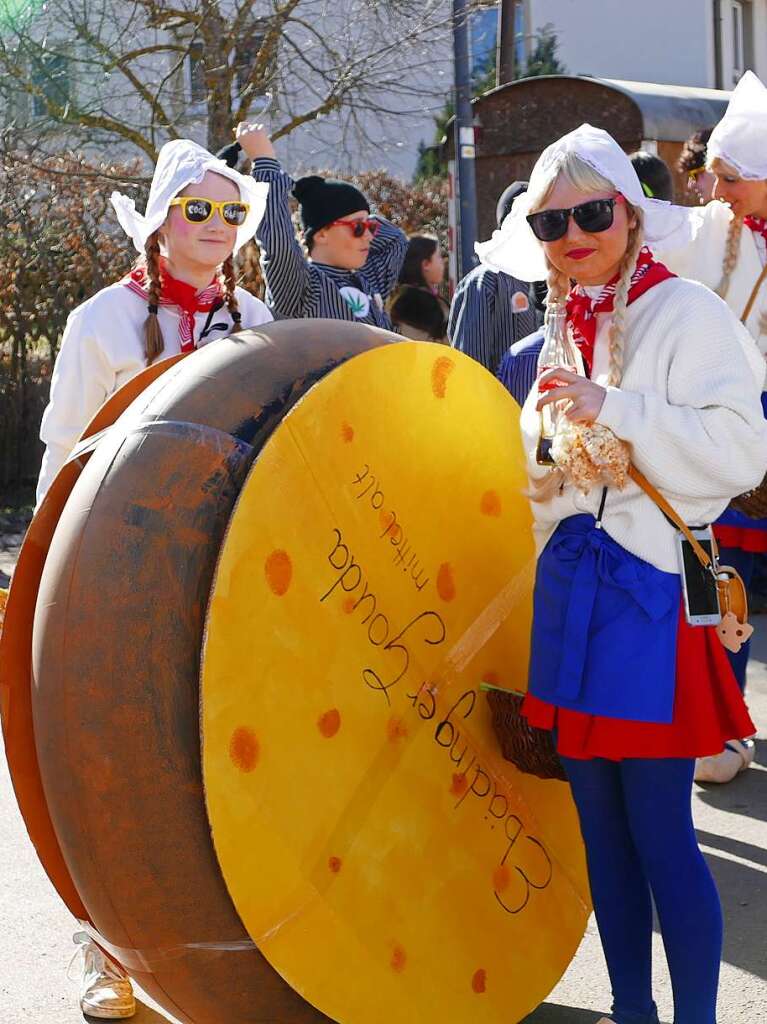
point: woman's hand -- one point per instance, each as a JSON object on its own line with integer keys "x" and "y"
{"x": 254, "y": 140}
{"x": 585, "y": 397}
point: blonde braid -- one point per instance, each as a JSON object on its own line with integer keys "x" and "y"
{"x": 558, "y": 288}
{"x": 545, "y": 488}
{"x": 230, "y": 283}
{"x": 731, "y": 253}
{"x": 620, "y": 303}
{"x": 154, "y": 343}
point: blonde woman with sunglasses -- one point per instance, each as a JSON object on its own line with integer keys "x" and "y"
{"x": 354, "y": 259}
{"x": 724, "y": 245}
{"x": 181, "y": 293}
{"x": 633, "y": 689}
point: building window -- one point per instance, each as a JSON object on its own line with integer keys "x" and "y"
{"x": 520, "y": 37}
{"x": 742, "y": 29}
{"x": 198, "y": 90}
{"x": 50, "y": 77}
{"x": 738, "y": 41}
{"x": 245, "y": 59}
{"x": 483, "y": 40}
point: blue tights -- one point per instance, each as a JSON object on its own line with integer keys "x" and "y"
{"x": 636, "y": 822}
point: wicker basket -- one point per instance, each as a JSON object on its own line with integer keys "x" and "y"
{"x": 531, "y": 750}
{"x": 753, "y": 503}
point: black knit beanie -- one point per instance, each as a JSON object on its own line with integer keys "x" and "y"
{"x": 323, "y": 200}
{"x": 506, "y": 200}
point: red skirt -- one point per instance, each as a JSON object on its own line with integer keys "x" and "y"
{"x": 708, "y": 710}
{"x": 744, "y": 537}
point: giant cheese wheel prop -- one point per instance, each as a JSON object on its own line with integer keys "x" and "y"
{"x": 365, "y": 831}
{"x": 386, "y": 860}
{"x": 116, "y": 644}
{"x": 16, "y": 644}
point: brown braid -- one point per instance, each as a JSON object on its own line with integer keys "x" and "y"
{"x": 230, "y": 283}
{"x": 154, "y": 343}
{"x": 731, "y": 253}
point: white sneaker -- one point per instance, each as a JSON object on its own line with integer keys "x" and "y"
{"x": 106, "y": 991}
{"x": 735, "y": 758}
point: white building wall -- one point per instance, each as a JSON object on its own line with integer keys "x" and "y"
{"x": 665, "y": 41}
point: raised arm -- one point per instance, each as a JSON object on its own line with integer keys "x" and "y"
{"x": 283, "y": 261}
{"x": 387, "y": 254}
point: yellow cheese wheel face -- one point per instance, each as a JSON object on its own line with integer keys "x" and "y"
{"x": 387, "y": 861}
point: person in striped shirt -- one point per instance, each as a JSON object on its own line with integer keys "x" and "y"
{"x": 354, "y": 258}
{"x": 492, "y": 311}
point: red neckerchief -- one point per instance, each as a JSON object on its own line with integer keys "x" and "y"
{"x": 757, "y": 224}
{"x": 582, "y": 310}
{"x": 177, "y": 293}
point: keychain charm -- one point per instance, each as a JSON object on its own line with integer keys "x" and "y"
{"x": 732, "y": 633}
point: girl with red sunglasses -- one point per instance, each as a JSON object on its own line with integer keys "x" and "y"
{"x": 632, "y": 690}
{"x": 180, "y": 295}
{"x": 354, "y": 259}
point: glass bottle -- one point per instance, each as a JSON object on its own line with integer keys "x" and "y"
{"x": 558, "y": 351}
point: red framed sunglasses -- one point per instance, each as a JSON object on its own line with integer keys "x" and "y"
{"x": 359, "y": 227}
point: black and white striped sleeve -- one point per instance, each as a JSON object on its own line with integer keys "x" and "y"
{"x": 387, "y": 254}
{"x": 471, "y": 325}
{"x": 283, "y": 262}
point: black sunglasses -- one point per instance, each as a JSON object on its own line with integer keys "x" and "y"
{"x": 594, "y": 216}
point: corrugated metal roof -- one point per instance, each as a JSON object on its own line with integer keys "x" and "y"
{"x": 672, "y": 112}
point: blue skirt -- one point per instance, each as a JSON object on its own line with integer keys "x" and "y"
{"x": 605, "y": 623}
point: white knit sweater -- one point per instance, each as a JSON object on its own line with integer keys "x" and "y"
{"x": 101, "y": 349}
{"x": 696, "y": 251}
{"x": 690, "y": 409}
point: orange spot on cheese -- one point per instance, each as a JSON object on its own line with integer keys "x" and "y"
{"x": 244, "y": 749}
{"x": 490, "y": 504}
{"x": 501, "y": 877}
{"x": 479, "y": 981}
{"x": 348, "y": 605}
{"x": 459, "y": 784}
{"x": 445, "y": 582}
{"x": 491, "y": 677}
{"x": 347, "y": 432}
{"x": 440, "y": 372}
{"x": 398, "y": 959}
{"x": 396, "y": 728}
{"x": 334, "y": 863}
{"x": 278, "y": 569}
{"x": 329, "y": 723}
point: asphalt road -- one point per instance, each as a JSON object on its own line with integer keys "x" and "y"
{"x": 36, "y": 929}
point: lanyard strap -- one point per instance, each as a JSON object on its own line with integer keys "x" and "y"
{"x": 752, "y": 296}
{"x": 670, "y": 513}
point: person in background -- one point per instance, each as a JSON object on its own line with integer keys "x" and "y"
{"x": 491, "y": 311}
{"x": 417, "y": 309}
{"x": 692, "y": 163}
{"x": 354, "y": 258}
{"x": 654, "y": 175}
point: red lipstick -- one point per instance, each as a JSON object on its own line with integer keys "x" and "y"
{"x": 579, "y": 254}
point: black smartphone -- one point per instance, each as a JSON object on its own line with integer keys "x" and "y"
{"x": 701, "y": 597}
